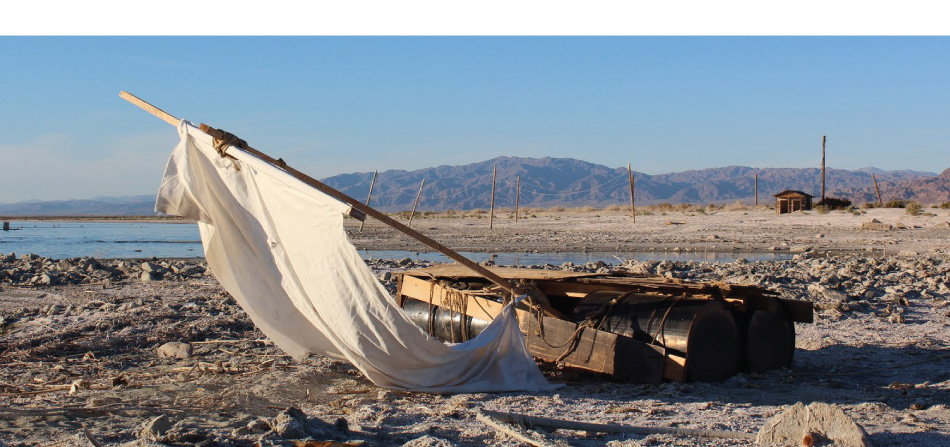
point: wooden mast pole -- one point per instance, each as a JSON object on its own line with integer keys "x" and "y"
{"x": 633, "y": 206}
{"x": 823, "y": 168}
{"x": 326, "y": 189}
{"x": 370, "y": 196}
{"x": 876, "y": 189}
{"x": 491, "y": 212}
{"x": 756, "y": 189}
{"x": 417, "y": 202}
{"x": 517, "y": 197}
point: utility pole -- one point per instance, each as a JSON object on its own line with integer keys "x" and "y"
{"x": 517, "y": 197}
{"x": 756, "y": 189}
{"x": 823, "y": 139}
{"x": 633, "y": 206}
{"x": 491, "y": 212}
{"x": 878, "y": 190}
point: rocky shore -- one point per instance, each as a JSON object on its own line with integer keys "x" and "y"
{"x": 155, "y": 352}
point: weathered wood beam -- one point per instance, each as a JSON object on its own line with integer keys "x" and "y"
{"x": 326, "y": 189}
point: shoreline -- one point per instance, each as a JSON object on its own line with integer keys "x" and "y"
{"x": 757, "y": 230}
{"x": 97, "y": 219}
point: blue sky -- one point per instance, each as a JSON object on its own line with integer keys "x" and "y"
{"x": 331, "y": 105}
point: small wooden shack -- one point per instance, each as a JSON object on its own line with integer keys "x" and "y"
{"x": 789, "y": 201}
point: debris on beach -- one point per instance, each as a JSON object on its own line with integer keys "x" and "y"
{"x": 104, "y": 334}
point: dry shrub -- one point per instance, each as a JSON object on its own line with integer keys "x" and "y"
{"x": 620, "y": 208}
{"x": 736, "y": 206}
{"x": 834, "y": 203}
{"x": 914, "y": 208}
{"x": 556, "y": 209}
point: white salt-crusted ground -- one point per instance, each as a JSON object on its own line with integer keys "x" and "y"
{"x": 880, "y": 349}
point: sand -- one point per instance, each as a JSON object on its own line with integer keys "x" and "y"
{"x": 751, "y": 229}
{"x": 891, "y": 375}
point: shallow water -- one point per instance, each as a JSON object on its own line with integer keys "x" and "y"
{"x": 61, "y": 239}
{"x": 56, "y": 239}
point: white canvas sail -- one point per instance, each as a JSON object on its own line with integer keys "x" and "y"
{"x": 278, "y": 246}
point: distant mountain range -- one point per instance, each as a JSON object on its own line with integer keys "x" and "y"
{"x": 549, "y": 182}
{"x": 143, "y": 205}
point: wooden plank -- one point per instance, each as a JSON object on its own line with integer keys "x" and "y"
{"x": 674, "y": 368}
{"x": 456, "y": 271}
{"x": 577, "y": 290}
{"x": 481, "y": 308}
{"x": 161, "y": 114}
{"x": 451, "y": 254}
{"x": 605, "y": 352}
{"x": 800, "y": 311}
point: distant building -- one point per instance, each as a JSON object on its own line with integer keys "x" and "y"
{"x": 789, "y": 201}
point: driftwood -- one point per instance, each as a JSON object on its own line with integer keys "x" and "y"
{"x": 92, "y": 440}
{"x": 535, "y": 421}
{"x": 484, "y": 417}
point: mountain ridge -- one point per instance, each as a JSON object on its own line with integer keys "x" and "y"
{"x": 551, "y": 181}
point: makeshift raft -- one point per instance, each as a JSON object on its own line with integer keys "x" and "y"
{"x": 631, "y": 327}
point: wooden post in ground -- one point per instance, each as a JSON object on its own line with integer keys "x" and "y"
{"x": 756, "y": 189}
{"x": 823, "y": 138}
{"x": 491, "y": 212}
{"x": 517, "y": 197}
{"x": 416, "y": 202}
{"x": 369, "y": 196}
{"x": 876, "y": 189}
{"x": 633, "y": 205}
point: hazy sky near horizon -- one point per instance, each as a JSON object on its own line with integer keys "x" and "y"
{"x": 332, "y": 105}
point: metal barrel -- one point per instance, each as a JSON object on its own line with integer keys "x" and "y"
{"x": 6, "y": 226}
{"x": 769, "y": 337}
{"x": 441, "y": 323}
{"x": 704, "y": 330}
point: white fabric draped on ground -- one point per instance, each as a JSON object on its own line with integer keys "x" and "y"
{"x": 278, "y": 246}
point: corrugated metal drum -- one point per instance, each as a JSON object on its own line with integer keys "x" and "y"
{"x": 770, "y": 337}
{"x": 443, "y": 324}
{"x": 702, "y": 330}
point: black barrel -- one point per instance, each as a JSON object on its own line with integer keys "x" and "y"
{"x": 442, "y": 323}
{"x": 702, "y": 330}
{"x": 770, "y": 337}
